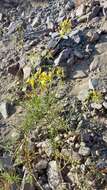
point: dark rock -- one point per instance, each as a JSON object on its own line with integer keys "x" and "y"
{"x": 95, "y": 12}
{"x": 63, "y": 57}
{"x": 13, "y": 69}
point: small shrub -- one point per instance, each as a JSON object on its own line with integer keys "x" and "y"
{"x": 95, "y": 96}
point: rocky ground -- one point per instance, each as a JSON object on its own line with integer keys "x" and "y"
{"x": 73, "y": 157}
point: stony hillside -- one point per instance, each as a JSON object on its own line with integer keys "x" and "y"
{"x": 53, "y": 95}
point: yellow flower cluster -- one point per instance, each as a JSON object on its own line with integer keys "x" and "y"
{"x": 65, "y": 27}
{"x": 41, "y": 79}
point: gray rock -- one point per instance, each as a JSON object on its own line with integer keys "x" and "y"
{"x": 54, "y": 177}
{"x": 94, "y": 13}
{"x": 13, "y": 27}
{"x": 102, "y": 165}
{"x": 79, "y": 74}
{"x": 69, "y": 6}
{"x": 101, "y": 47}
{"x": 5, "y": 162}
{"x": 93, "y": 36}
{"x": 93, "y": 83}
{"x": 97, "y": 106}
{"x": 105, "y": 104}
{"x": 50, "y": 23}
{"x": 36, "y": 21}
{"x": 5, "y": 109}
{"x": 27, "y": 72}
{"x": 78, "y": 54}
{"x": 83, "y": 94}
{"x": 82, "y": 19}
{"x": 53, "y": 43}
{"x": 63, "y": 57}
{"x": 41, "y": 165}
{"x": 98, "y": 69}
{"x": 1, "y": 15}
{"x": 84, "y": 151}
{"x": 105, "y": 137}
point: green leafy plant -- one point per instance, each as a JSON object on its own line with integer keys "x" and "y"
{"x": 9, "y": 178}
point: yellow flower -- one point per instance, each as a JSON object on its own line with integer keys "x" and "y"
{"x": 37, "y": 74}
{"x": 31, "y": 82}
{"x": 65, "y": 27}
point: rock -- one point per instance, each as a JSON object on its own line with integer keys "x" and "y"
{"x": 5, "y": 162}
{"x": 84, "y": 151}
{"x": 63, "y": 57}
{"x": 105, "y": 11}
{"x": 36, "y": 21}
{"x": 53, "y": 43}
{"x": 95, "y": 12}
{"x": 80, "y": 10}
{"x": 98, "y": 69}
{"x": 13, "y": 69}
{"x": 105, "y": 104}
{"x": 83, "y": 94}
{"x": 76, "y": 156}
{"x": 82, "y": 19}
{"x": 27, "y": 72}
{"x": 29, "y": 186}
{"x": 93, "y": 36}
{"x": 1, "y": 15}
{"x": 78, "y": 54}
{"x": 102, "y": 166}
{"x": 13, "y": 27}
{"x": 69, "y": 6}
{"x": 97, "y": 106}
{"x": 41, "y": 165}
{"x": 105, "y": 137}
{"x": 50, "y": 23}
{"x": 101, "y": 47}
{"x": 93, "y": 83}
{"x": 104, "y": 27}
{"x": 88, "y": 162}
{"x": 5, "y": 109}
{"x": 54, "y": 177}
{"x": 79, "y": 74}
{"x": 46, "y": 147}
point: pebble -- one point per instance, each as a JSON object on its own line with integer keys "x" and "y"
{"x": 84, "y": 151}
